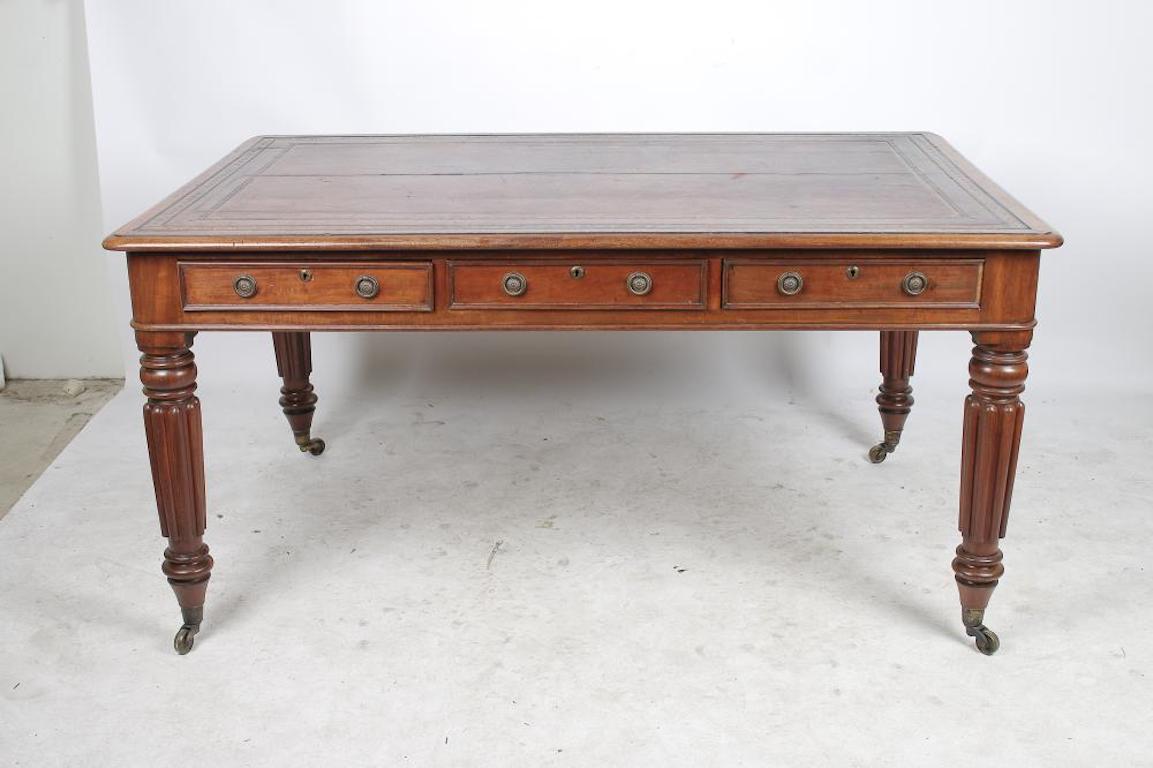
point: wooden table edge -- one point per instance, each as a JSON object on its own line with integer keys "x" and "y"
{"x": 617, "y": 241}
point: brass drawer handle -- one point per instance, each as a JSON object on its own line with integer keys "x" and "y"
{"x": 790, "y": 283}
{"x": 915, "y": 283}
{"x": 367, "y": 287}
{"x": 514, "y": 284}
{"x": 639, "y": 283}
{"x": 245, "y": 286}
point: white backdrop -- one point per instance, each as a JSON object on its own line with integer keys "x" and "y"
{"x": 56, "y": 319}
{"x": 1052, "y": 99}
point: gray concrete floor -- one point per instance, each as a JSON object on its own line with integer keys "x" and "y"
{"x": 38, "y": 417}
{"x": 505, "y": 573}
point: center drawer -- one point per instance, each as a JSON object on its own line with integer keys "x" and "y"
{"x": 639, "y": 284}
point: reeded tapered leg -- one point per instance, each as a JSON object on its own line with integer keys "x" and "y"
{"x": 895, "y": 400}
{"x": 175, "y": 448}
{"x": 992, "y": 433}
{"x": 294, "y": 364}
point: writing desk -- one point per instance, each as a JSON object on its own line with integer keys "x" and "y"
{"x": 291, "y": 234}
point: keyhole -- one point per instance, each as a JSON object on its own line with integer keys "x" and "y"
{"x": 853, "y": 272}
{"x": 306, "y": 275}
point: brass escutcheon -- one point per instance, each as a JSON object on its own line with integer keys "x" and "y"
{"x": 305, "y": 275}
{"x": 853, "y": 272}
{"x": 577, "y": 272}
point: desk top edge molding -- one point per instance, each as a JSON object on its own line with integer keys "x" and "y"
{"x": 977, "y": 213}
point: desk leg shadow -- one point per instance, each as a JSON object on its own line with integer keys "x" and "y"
{"x": 895, "y": 400}
{"x": 297, "y": 400}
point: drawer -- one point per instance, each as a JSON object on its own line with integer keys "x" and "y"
{"x": 634, "y": 284}
{"x": 320, "y": 286}
{"x": 827, "y": 283}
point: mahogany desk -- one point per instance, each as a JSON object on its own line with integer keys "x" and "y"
{"x": 292, "y": 234}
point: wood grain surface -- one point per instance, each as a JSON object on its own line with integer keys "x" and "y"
{"x": 582, "y": 191}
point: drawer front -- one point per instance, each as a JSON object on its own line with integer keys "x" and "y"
{"x": 323, "y": 286}
{"x": 826, "y": 284}
{"x": 578, "y": 285}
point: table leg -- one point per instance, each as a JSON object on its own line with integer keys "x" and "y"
{"x": 297, "y": 400}
{"x": 992, "y": 433}
{"x": 175, "y": 448}
{"x": 895, "y": 400}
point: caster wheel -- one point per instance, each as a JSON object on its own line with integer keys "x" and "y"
{"x": 987, "y": 640}
{"x": 185, "y": 638}
{"x": 878, "y": 453}
{"x": 314, "y": 446}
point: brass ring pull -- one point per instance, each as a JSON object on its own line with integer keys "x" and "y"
{"x": 790, "y": 283}
{"x": 514, "y": 284}
{"x": 245, "y": 286}
{"x": 367, "y": 287}
{"x": 639, "y": 283}
{"x": 915, "y": 283}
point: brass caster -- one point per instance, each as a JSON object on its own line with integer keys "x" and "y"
{"x": 882, "y": 449}
{"x": 986, "y": 639}
{"x": 185, "y": 637}
{"x": 315, "y": 446}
